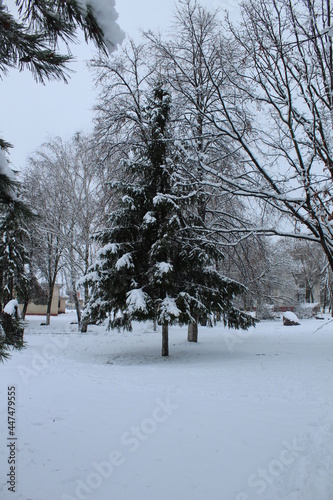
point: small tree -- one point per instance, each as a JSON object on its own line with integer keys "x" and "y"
{"x": 86, "y": 194}
{"x": 13, "y": 256}
{"x": 11, "y": 329}
{"x": 45, "y": 191}
{"x": 13, "y": 259}
{"x": 153, "y": 263}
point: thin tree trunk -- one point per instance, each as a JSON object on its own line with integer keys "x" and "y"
{"x": 1, "y": 291}
{"x": 192, "y": 332}
{"x": 77, "y": 307}
{"x": 86, "y": 265}
{"x": 84, "y": 321}
{"x": 24, "y": 310}
{"x": 165, "y": 339}
{"x": 49, "y": 305}
{"x": 324, "y": 298}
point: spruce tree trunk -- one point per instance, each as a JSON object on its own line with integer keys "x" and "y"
{"x": 165, "y": 339}
{"x": 192, "y": 332}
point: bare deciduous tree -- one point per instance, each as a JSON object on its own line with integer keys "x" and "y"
{"x": 277, "y": 111}
{"x": 63, "y": 186}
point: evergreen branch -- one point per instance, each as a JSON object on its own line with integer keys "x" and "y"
{"x": 20, "y": 48}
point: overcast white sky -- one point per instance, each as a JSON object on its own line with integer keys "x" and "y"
{"x": 31, "y": 113}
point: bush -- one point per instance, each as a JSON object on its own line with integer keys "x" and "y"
{"x": 11, "y": 330}
{"x": 307, "y": 310}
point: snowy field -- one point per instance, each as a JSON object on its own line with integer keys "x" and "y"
{"x": 238, "y": 416}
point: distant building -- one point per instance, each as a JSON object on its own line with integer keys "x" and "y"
{"x": 58, "y": 305}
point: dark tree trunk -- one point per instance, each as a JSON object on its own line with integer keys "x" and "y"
{"x": 165, "y": 339}
{"x": 1, "y": 291}
{"x": 77, "y": 307}
{"x": 84, "y": 325}
{"x": 25, "y": 307}
{"x": 84, "y": 321}
{"x": 49, "y": 305}
{"x": 86, "y": 264}
{"x": 192, "y": 332}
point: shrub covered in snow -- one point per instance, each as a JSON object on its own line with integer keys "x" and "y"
{"x": 11, "y": 329}
{"x": 307, "y": 310}
{"x": 290, "y": 319}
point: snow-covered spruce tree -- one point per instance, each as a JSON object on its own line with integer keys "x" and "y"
{"x": 7, "y": 178}
{"x": 153, "y": 264}
{"x": 194, "y": 31}
{"x": 12, "y": 252}
{"x": 13, "y": 277}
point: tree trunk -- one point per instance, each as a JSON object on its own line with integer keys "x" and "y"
{"x": 86, "y": 267}
{"x": 77, "y": 307}
{"x": 84, "y": 326}
{"x": 24, "y": 310}
{"x": 49, "y": 305}
{"x": 84, "y": 321}
{"x": 192, "y": 332}
{"x": 324, "y": 298}
{"x": 165, "y": 339}
{"x": 1, "y": 291}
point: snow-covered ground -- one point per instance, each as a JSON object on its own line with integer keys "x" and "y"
{"x": 238, "y": 416}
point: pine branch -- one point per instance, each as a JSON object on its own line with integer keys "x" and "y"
{"x": 5, "y": 145}
{"x": 20, "y": 48}
{"x": 60, "y": 19}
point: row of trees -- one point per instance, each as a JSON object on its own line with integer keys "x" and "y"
{"x": 62, "y": 185}
{"x": 251, "y": 117}
{"x": 205, "y": 141}
{"x": 73, "y": 203}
